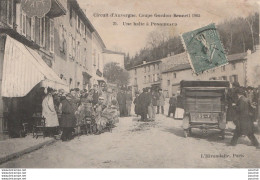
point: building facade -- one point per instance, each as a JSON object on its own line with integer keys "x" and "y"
{"x": 146, "y": 75}
{"x": 235, "y": 71}
{"x": 73, "y": 46}
{"x": 29, "y": 42}
{"x": 61, "y": 50}
{"x": 98, "y": 47}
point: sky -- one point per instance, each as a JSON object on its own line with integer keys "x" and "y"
{"x": 132, "y": 38}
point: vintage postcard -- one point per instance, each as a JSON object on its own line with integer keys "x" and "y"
{"x": 129, "y": 84}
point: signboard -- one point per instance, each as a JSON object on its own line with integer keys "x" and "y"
{"x": 36, "y": 7}
{"x": 204, "y": 48}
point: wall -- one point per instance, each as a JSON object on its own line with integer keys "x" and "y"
{"x": 97, "y": 59}
{"x": 68, "y": 61}
{"x": 253, "y": 68}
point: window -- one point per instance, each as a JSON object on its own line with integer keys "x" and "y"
{"x": 74, "y": 48}
{"x": 153, "y": 77}
{"x": 37, "y": 30}
{"x": 52, "y": 36}
{"x": 78, "y": 24}
{"x": 71, "y": 15}
{"x": 223, "y": 68}
{"x": 144, "y": 79}
{"x": 224, "y": 78}
{"x": 174, "y": 75}
{"x": 158, "y": 66}
{"x": 62, "y": 37}
{"x": 233, "y": 78}
{"x": 42, "y": 27}
{"x": 70, "y": 48}
{"x": 47, "y": 34}
{"x": 85, "y": 57}
{"x": 98, "y": 62}
{"x": 148, "y": 68}
{"x": 154, "y": 67}
{"x": 23, "y": 23}
{"x": 233, "y": 66}
{"x": 212, "y": 78}
{"x": 168, "y": 82}
{"x": 135, "y": 71}
{"x": 149, "y": 78}
{"x": 135, "y": 83}
{"x": 10, "y": 12}
{"x": 78, "y": 52}
{"x": 33, "y": 28}
{"x": 3, "y": 10}
{"x": 145, "y": 69}
{"x": 82, "y": 28}
{"x": 158, "y": 77}
{"x": 94, "y": 54}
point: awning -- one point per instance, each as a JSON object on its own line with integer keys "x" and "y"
{"x": 23, "y": 69}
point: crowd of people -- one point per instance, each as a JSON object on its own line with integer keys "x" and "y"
{"x": 147, "y": 102}
{"x": 79, "y": 111}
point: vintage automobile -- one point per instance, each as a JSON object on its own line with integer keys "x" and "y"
{"x": 204, "y": 105}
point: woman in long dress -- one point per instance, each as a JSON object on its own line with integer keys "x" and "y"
{"x": 49, "y": 113}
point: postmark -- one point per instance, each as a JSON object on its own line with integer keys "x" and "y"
{"x": 204, "y": 48}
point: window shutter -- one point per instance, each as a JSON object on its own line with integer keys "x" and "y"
{"x": 51, "y": 36}
{"x": 33, "y": 28}
{"x": 37, "y": 30}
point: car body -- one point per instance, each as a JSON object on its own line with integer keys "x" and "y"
{"x": 204, "y": 105}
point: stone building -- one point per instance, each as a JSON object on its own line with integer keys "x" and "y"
{"x": 234, "y": 71}
{"x": 144, "y": 75}
{"x": 27, "y": 48}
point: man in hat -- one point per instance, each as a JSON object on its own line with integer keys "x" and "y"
{"x": 172, "y": 105}
{"x": 160, "y": 102}
{"x": 121, "y": 99}
{"x": 95, "y": 95}
{"x": 129, "y": 100}
{"x": 244, "y": 125}
{"x": 68, "y": 119}
{"x": 143, "y": 101}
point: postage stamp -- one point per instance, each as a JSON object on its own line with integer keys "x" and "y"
{"x": 204, "y": 48}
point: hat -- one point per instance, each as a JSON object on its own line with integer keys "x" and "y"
{"x": 69, "y": 95}
{"x": 240, "y": 91}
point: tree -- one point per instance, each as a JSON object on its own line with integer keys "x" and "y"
{"x": 115, "y": 74}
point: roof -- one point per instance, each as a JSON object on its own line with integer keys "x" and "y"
{"x": 231, "y": 58}
{"x": 236, "y": 57}
{"x": 107, "y": 51}
{"x": 178, "y": 68}
{"x": 100, "y": 39}
{"x": 147, "y": 63}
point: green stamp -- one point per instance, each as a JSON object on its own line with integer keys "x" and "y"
{"x": 204, "y": 48}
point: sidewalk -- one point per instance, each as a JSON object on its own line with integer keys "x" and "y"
{"x": 13, "y": 148}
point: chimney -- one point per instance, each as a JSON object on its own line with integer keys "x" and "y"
{"x": 144, "y": 62}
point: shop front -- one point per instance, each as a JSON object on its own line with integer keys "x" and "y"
{"x": 25, "y": 79}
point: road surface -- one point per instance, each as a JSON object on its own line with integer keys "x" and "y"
{"x": 133, "y": 144}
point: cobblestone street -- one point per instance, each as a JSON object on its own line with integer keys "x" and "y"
{"x": 133, "y": 144}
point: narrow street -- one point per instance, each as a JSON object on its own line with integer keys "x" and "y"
{"x": 133, "y": 144}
